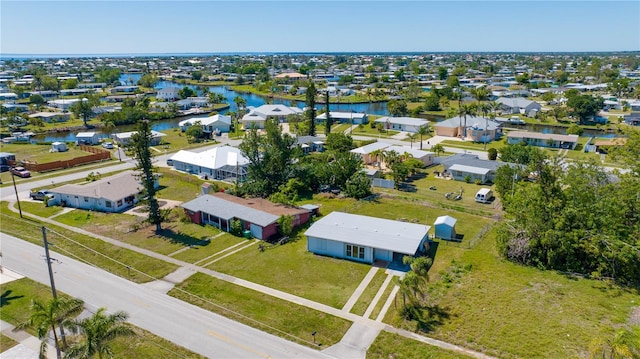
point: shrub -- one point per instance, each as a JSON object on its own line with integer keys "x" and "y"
{"x": 478, "y": 182}
{"x": 492, "y": 154}
{"x": 236, "y": 227}
{"x": 467, "y": 179}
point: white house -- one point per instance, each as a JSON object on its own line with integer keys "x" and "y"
{"x": 87, "y": 138}
{"x": 426, "y": 157}
{"x": 355, "y": 118}
{"x": 365, "y": 239}
{"x": 210, "y": 125}
{"x": 168, "y": 93}
{"x": 50, "y": 117}
{"x": 111, "y": 194}
{"x": 366, "y": 151}
{"x": 518, "y": 105}
{"x": 445, "y": 227}
{"x": 224, "y": 163}
{"x": 543, "y": 139}
{"x": 257, "y": 116}
{"x": 64, "y": 104}
{"x": 407, "y": 124}
{"x": 124, "y": 138}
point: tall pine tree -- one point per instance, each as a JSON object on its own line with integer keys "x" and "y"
{"x": 311, "y": 108}
{"x": 141, "y": 145}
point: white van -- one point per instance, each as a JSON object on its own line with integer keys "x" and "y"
{"x": 484, "y": 195}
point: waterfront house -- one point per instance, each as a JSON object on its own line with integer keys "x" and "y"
{"x": 543, "y": 139}
{"x": 50, "y": 117}
{"x": 257, "y": 116}
{"x": 223, "y": 163}
{"x": 215, "y": 124}
{"x": 124, "y": 138}
{"x": 87, "y": 138}
{"x": 518, "y": 105}
{"x": 168, "y": 93}
{"x": 354, "y": 118}
{"x": 479, "y": 129}
{"x": 406, "y": 124}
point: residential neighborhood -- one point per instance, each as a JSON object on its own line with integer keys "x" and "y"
{"x": 320, "y": 204}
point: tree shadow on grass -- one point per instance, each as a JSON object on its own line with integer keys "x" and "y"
{"x": 428, "y": 318}
{"x": 180, "y": 238}
{"x": 6, "y": 297}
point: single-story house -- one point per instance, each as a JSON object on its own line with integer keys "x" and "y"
{"x": 111, "y": 194}
{"x": 518, "y": 105}
{"x": 50, "y": 117}
{"x": 87, "y": 138}
{"x": 476, "y": 125}
{"x": 127, "y": 89}
{"x": 605, "y": 145}
{"x": 168, "y": 93}
{"x": 257, "y": 116}
{"x": 8, "y": 96}
{"x": 64, "y": 104}
{"x": 445, "y": 227}
{"x": 58, "y": 147}
{"x": 210, "y": 125}
{"x": 223, "y": 163}
{"x": 73, "y": 92}
{"x": 365, "y": 239}
{"x": 257, "y": 215}
{"x": 424, "y": 156}
{"x": 407, "y": 124}
{"x": 461, "y": 165}
{"x": 191, "y": 102}
{"x": 367, "y": 152}
{"x": 124, "y": 138}
{"x": 355, "y": 118}
{"x": 543, "y": 139}
{"x": 310, "y": 144}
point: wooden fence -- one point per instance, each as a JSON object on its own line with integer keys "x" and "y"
{"x": 97, "y": 154}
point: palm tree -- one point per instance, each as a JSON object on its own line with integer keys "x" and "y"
{"x": 422, "y": 130}
{"x": 45, "y": 317}
{"x": 437, "y": 148}
{"x": 379, "y": 155}
{"x": 411, "y": 288}
{"x": 97, "y": 332}
{"x": 625, "y": 344}
{"x": 412, "y": 137}
{"x": 465, "y": 110}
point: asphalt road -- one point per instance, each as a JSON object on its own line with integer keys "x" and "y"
{"x": 194, "y": 328}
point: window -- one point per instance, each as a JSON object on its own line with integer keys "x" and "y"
{"x": 119, "y": 203}
{"x": 355, "y": 251}
{"x": 108, "y": 204}
{"x": 86, "y": 199}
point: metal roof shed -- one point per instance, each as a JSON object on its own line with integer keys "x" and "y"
{"x": 445, "y": 227}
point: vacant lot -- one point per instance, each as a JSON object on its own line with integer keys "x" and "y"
{"x": 388, "y": 345}
{"x": 270, "y": 314}
{"x": 40, "y": 153}
{"x": 510, "y": 311}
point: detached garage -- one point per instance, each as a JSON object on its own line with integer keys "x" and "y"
{"x": 445, "y": 227}
{"x": 365, "y": 239}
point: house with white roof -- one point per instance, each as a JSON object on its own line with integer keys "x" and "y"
{"x": 519, "y": 105}
{"x": 256, "y": 117}
{"x": 124, "y": 138}
{"x": 168, "y": 93}
{"x": 355, "y": 118}
{"x": 111, "y": 194}
{"x": 478, "y": 129}
{"x": 366, "y": 239}
{"x": 257, "y": 215}
{"x": 367, "y": 152}
{"x": 215, "y": 124}
{"x": 461, "y": 165}
{"x": 87, "y": 138}
{"x": 50, "y": 117}
{"x": 224, "y": 163}
{"x": 64, "y": 104}
{"x": 543, "y": 139}
{"x": 406, "y": 124}
{"x": 425, "y": 157}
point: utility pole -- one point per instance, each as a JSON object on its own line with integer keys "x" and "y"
{"x": 15, "y": 189}
{"x": 53, "y": 287}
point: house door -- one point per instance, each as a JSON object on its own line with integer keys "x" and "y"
{"x": 256, "y": 231}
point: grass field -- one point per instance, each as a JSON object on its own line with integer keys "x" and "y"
{"x": 469, "y": 145}
{"x": 17, "y": 297}
{"x": 367, "y": 296}
{"x": 389, "y": 345}
{"x": 40, "y": 153}
{"x": 366, "y": 130}
{"x": 38, "y": 208}
{"x": 117, "y": 260}
{"x": 511, "y": 311}
{"x": 292, "y": 269}
{"x": 270, "y": 314}
{"x": 6, "y": 343}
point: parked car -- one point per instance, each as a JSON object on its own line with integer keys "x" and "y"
{"x": 39, "y": 195}
{"x": 108, "y": 145}
{"x": 20, "y": 172}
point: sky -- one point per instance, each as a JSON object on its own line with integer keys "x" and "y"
{"x": 152, "y": 27}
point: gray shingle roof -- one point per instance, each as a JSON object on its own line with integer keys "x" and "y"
{"x": 113, "y": 188}
{"x": 227, "y": 210}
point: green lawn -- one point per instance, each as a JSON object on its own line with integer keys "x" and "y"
{"x": 511, "y": 311}
{"x": 39, "y": 209}
{"x": 469, "y": 145}
{"x": 40, "y": 153}
{"x": 176, "y": 140}
{"x": 366, "y": 130}
{"x": 217, "y": 244}
{"x": 6, "y": 343}
{"x": 367, "y": 296}
{"x": 292, "y": 269}
{"x": 389, "y": 345}
{"x": 17, "y": 296}
{"x": 180, "y": 186}
{"x": 267, "y": 313}
{"x": 117, "y": 260}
